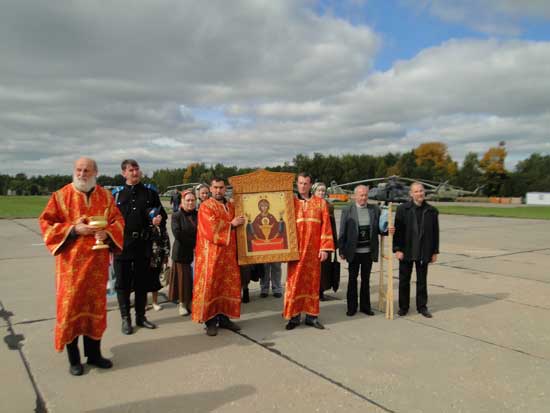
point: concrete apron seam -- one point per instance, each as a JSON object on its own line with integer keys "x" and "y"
{"x": 516, "y": 350}
{"x": 13, "y": 341}
{"x": 14, "y": 220}
{"x": 317, "y": 373}
{"x": 492, "y": 273}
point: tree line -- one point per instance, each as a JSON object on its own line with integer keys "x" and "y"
{"x": 429, "y": 161}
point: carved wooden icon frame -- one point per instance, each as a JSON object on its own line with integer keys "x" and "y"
{"x": 266, "y": 200}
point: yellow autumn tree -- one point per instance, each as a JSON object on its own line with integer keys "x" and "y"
{"x": 189, "y": 173}
{"x": 493, "y": 160}
{"x": 435, "y": 154}
{"x": 495, "y": 174}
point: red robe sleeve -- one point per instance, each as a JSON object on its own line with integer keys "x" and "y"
{"x": 327, "y": 240}
{"x": 54, "y": 225}
{"x": 115, "y": 227}
{"x": 214, "y": 224}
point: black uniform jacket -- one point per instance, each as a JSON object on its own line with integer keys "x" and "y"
{"x": 428, "y": 231}
{"x": 135, "y": 202}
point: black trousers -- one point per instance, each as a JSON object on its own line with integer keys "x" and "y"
{"x": 405, "y": 272}
{"x": 363, "y": 262}
{"x": 91, "y": 350}
{"x": 132, "y": 275}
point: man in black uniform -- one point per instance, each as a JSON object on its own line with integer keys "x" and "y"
{"x": 135, "y": 201}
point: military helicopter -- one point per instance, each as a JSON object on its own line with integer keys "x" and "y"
{"x": 388, "y": 189}
{"x": 396, "y": 189}
{"x": 443, "y": 191}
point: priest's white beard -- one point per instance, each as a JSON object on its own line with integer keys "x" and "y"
{"x": 83, "y": 185}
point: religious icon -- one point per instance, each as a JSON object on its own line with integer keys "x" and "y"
{"x": 265, "y": 232}
{"x": 265, "y": 199}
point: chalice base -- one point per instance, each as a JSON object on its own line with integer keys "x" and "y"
{"x": 100, "y": 246}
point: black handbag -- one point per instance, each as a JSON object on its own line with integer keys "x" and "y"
{"x": 335, "y": 279}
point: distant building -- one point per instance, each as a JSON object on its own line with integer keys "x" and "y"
{"x": 537, "y": 198}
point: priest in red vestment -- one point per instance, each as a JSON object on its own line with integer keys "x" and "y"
{"x": 81, "y": 272}
{"x": 217, "y": 282}
{"x": 315, "y": 241}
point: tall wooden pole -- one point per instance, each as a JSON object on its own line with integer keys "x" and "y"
{"x": 389, "y": 290}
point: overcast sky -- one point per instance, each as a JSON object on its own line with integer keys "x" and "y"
{"x": 253, "y": 83}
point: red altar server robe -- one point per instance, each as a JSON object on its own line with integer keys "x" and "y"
{"x": 314, "y": 234}
{"x": 81, "y": 273}
{"x": 217, "y": 282}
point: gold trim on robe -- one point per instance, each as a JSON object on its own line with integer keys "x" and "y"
{"x": 304, "y": 276}
{"x": 217, "y": 281}
{"x": 81, "y": 273}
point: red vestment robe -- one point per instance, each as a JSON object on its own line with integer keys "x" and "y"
{"x": 81, "y": 273}
{"x": 217, "y": 282}
{"x": 314, "y": 234}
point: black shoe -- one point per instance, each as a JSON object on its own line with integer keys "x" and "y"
{"x": 127, "y": 326}
{"x": 212, "y": 330}
{"x": 322, "y": 297}
{"x": 402, "y": 313}
{"x": 229, "y": 325}
{"x": 276, "y": 295}
{"x": 368, "y": 312}
{"x": 315, "y": 323}
{"x": 100, "y": 362}
{"x": 426, "y": 313}
{"x": 264, "y": 295}
{"x": 350, "y": 313}
{"x": 143, "y": 322}
{"x": 246, "y": 296}
{"x": 291, "y": 325}
{"x": 76, "y": 369}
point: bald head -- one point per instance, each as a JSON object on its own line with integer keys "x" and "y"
{"x": 417, "y": 193}
{"x": 89, "y": 162}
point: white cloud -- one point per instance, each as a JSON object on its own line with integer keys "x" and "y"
{"x": 496, "y": 17}
{"x": 249, "y": 83}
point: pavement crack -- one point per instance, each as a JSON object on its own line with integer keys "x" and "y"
{"x": 34, "y": 231}
{"x": 458, "y": 267}
{"x": 481, "y": 340}
{"x": 512, "y": 253}
{"x": 13, "y": 342}
{"x": 269, "y": 347}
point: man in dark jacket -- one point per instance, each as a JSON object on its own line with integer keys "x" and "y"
{"x": 416, "y": 241}
{"x": 358, "y": 245}
{"x": 132, "y": 270}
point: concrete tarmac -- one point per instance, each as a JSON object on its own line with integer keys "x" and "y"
{"x": 487, "y": 349}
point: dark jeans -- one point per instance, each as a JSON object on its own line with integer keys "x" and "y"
{"x": 361, "y": 261}
{"x": 405, "y": 272}
{"x": 91, "y": 350}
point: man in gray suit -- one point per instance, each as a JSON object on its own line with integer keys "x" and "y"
{"x": 358, "y": 245}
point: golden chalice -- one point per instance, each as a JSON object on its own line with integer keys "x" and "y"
{"x": 98, "y": 222}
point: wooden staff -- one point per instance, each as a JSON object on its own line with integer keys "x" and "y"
{"x": 389, "y": 290}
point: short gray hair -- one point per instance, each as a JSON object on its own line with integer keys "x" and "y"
{"x": 355, "y": 190}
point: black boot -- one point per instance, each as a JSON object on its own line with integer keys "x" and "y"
{"x": 140, "y": 302}
{"x": 246, "y": 296}
{"x": 73, "y": 353}
{"x": 123, "y": 298}
{"x": 92, "y": 350}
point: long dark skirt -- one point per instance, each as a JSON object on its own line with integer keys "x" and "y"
{"x": 181, "y": 284}
{"x": 326, "y": 274}
{"x": 154, "y": 280}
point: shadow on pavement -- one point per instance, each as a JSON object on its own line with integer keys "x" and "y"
{"x": 194, "y": 402}
{"x": 153, "y": 351}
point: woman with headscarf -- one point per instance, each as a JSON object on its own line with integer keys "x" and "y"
{"x": 184, "y": 228}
